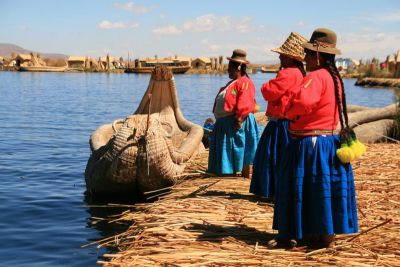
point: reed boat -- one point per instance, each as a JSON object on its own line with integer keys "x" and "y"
{"x": 268, "y": 70}
{"x": 43, "y": 68}
{"x": 147, "y": 65}
{"x": 174, "y": 69}
{"x": 147, "y": 150}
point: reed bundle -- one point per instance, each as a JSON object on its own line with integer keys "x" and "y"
{"x": 214, "y": 221}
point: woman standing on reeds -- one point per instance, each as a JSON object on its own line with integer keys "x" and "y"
{"x": 275, "y": 137}
{"x": 235, "y": 135}
{"x": 316, "y": 190}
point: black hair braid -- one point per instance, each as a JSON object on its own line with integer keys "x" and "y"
{"x": 346, "y": 118}
{"x": 243, "y": 71}
{"x": 332, "y": 72}
{"x": 300, "y": 65}
{"x": 243, "y": 68}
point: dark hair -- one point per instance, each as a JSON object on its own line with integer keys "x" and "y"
{"x": 243, "y": 67}
{"x": 330, "y": 66}
{"x": 300, "y": 65}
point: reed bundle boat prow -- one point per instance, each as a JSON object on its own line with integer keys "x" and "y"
{"x": 147, "y": 150}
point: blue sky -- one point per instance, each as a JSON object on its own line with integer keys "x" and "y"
{"x": 365, "y": 28}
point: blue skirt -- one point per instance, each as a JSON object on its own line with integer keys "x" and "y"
{"x": 230, "y": 149}
{"x": 316, "y": 192}
{"x": 273, "y": 141}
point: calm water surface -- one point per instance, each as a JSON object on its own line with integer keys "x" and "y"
{"x": 46, "y": 120}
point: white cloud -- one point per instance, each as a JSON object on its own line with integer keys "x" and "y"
{"x": 107, "y": 25}
{"x": 200, "y": 24}
{"x": 243, "y": 25}
{"x": 207, "y": 23}
{"x": 132, "y": 7}
{"x": 387, "y": 17}
{"x": 301, "y": 23}
{"x": 368, "y": 44}
{"x": 167, "y": 30}
{"x": 134, "y": 25}
{"x": 215, "y": 47}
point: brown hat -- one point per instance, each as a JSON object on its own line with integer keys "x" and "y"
{"x": 292, "y": 47}
{"x": 324, "y": 41}
{"x": 239, "y": 55}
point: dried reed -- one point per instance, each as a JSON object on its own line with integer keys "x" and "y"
{"x": 214, "y": 221}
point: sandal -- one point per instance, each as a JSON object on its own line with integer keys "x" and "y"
{"x": 274, "y": 243}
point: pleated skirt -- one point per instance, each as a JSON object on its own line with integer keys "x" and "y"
{"x": 230, "y": 149}
{"x": 316, "y": 192}
{"x": 270, "y": 149}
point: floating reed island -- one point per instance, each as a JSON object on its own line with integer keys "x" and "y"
{"x": 214, "y": 221}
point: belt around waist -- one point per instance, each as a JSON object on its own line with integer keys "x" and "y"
{"x": 273, "y": 118}
{"x": 311, "y": 132}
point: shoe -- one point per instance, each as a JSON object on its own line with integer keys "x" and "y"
{"x": 327, "y": 241}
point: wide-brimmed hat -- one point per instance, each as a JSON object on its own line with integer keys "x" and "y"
{"x": 292, "y": 47}
{"x": 324, "y": 41}
{"x": 239, "y": 56}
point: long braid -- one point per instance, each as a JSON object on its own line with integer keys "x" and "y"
{"x": 328, "y": 66}
{"x": 241, "y": 67}
{"x": 300, "y": 65}
{"x": 243, "y": 71}
{"x": 346, "y": 118}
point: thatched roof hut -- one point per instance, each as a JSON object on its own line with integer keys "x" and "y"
{"x": 109, "y": 62}
{"x": 201, "y": 63}
{"x": 20, "y": 59}
{"x": 184, "y": 60}
{"x": 76, "y": 62}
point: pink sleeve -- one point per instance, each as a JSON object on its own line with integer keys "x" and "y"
{"x": 306, "y": 98}
{"x": 275, "y": 88}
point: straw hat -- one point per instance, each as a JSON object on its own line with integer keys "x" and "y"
{"x": 292, "y": 47}
{"x": 324, "y": 41}
{"x": 239, "y": 56}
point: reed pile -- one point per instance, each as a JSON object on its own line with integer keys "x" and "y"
{"x": 214, "y": 221}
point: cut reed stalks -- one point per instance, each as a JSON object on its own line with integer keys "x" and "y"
{"x": 214, "y": 221}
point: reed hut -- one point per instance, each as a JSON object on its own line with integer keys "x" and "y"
{"x": 109, "y": 63}
{"x": 76, "y": 62}
{"x": 182, "y": 60}
{"x": 202, "y": 63}
{"x": 22, "y": 59}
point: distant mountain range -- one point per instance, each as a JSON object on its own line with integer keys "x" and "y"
{"x": 7, "y": 49}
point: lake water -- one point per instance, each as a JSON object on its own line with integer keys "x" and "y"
{"x": 45, "y": 123}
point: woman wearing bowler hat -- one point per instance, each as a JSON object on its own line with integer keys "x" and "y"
{"x": 316, "y": 190}
{"x": 235, "y": 135}
{"x": 275, "y": 136}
